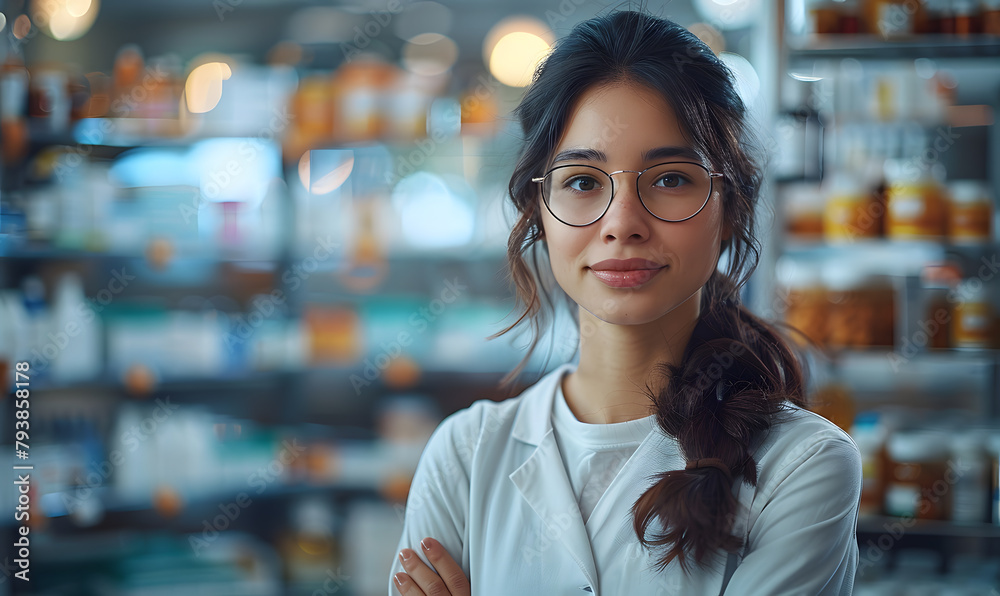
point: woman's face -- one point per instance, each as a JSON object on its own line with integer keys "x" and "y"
{"x": 621, "y": 123}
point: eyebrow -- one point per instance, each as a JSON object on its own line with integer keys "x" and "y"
{"x": 589, "y": 154}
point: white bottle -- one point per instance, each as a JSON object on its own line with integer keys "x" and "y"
{"x": 75, "y": 332}
{"x": 969, "y": 470}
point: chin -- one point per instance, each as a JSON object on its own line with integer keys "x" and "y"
{"x": 625, "y": 311}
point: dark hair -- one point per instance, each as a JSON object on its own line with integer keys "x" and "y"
{"x": 737, "y": 369}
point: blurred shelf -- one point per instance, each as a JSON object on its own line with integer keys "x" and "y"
{"x": 238, "y": 384}
{"x": 880, "y": 524}
{"x": 235, "y": 382}
{"x": 35, "y": 250}
{"x": 885, "y": 249}
{"x": 875, "y": 46}
{"x": 126, "y": 561}
{"x": 16, "y": 248}
{"x": 193, "y": 507}
{"x": 940, "y": 355}
{"x": 119, "y": 134}
{"x": 110, "y": 136}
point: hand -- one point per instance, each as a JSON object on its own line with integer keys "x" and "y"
{"x": 420, "y": 580}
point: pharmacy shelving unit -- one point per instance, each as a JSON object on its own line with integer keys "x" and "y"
{"x": 933, "y": 375}
{"x": 314, "y": 401}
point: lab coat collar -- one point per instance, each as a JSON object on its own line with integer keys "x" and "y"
{"x": 534, "y": 416}
{"x": 542, "y": 479}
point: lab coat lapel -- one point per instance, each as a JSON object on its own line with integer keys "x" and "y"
{"x": 542, "y": 479}
{"x": 656, "y": 453}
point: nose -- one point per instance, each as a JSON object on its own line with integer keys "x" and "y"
{"x": 626, "y": 217}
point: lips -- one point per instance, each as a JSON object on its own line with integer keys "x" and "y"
{"x": 625, "y": 265}
{"x": 626, "y": 273}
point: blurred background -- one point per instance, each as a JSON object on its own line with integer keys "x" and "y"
{"x": 251, "y": 252}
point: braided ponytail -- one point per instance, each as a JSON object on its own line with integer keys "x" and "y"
{"x": 726, "y": 392}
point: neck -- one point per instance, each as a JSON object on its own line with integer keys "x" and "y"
{"x": 617, "y": 362}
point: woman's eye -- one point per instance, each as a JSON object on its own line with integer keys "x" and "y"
{"x": 583, "y": 183}
{"x": 671, "y": 180}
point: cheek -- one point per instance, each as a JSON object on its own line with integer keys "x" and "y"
{"x": 699, "y": 238}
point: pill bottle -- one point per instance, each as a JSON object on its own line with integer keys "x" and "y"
{"x": 974, "y": 321}
{"x": 915, "y": 475}
{"x": 852, "y": 211}
{"x": 803, "y": 298}
{"x": 916, "y": 210}
{"x": 804, "y": 207}
{"x": 970, "y": 213}
{"x": 991, "y": 17}
{"x": 861, "y": 306}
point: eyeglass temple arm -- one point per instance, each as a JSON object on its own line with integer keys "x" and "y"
{"x": 538, "y": 179}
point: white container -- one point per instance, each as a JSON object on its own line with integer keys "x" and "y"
{"x": 969, "y": 468}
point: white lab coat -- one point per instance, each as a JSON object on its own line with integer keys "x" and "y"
{"x": 492, "y": 488}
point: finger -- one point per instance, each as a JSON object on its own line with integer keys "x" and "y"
{"x": 405, "y": 585}
{"x": 451, "y": 572}
{"x": 427, "y": 582}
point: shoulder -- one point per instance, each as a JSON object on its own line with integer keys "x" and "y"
{"x": 800, "y": 438}
{"x": 485, "y": 421}
{"x": 464, "y": 429}
{"x": 462, "y": 434}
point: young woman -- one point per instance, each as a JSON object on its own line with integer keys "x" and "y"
{"x": 675, "y": 456}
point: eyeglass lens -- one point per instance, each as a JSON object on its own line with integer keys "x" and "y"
{"x": 579, "y": 194}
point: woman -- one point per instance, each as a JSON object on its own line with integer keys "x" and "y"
{"x": 675, "y": 456}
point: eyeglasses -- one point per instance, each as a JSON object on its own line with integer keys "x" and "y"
{"x": 579, "y": 195}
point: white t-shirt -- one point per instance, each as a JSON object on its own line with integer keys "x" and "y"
{"x": 594, "y": 453}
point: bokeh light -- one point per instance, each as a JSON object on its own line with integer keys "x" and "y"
{"x": 65, "y": 19}
{"x": 203, "y": 88}
{"x": 429, "y": 54}
{"x": 514, "y": 47}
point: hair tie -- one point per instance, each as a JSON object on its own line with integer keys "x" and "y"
{"x": 720, "y": 393}
{"x": 710, "y": 462}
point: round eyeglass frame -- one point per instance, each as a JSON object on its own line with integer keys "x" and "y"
{"x": 711, "y": 176}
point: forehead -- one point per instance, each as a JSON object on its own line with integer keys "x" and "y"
{"x": 621, "y": 120}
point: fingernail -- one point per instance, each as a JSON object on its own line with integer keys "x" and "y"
{"x": 425, "y": 545}
{"x": 395, "y": 578}
{"x": 404, "y": 555}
